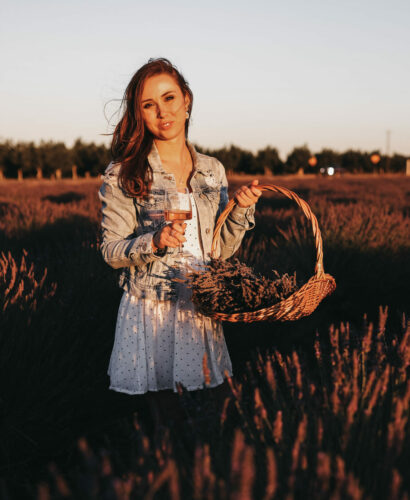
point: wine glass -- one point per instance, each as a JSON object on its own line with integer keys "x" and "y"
{"x": 177, "y": 207}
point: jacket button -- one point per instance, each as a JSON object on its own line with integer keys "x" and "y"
{"x": 207, "y": 230}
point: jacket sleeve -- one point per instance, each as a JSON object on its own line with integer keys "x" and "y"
{"x": 236, "y": 224}
{"x": 120, "y": 247}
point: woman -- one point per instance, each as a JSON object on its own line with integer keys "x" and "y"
{"x": 160, "y": 338}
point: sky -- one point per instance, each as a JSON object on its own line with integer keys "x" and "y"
{"x": 325, "y": 73}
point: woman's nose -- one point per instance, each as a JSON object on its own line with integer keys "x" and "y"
{"x": 160, "y": 111}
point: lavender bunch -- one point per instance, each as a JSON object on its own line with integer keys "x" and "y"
{"x": 232, "y": 286}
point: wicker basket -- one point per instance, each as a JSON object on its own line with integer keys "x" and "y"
{"x": 306, "y": 299}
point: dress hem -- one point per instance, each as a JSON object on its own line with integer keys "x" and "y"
{"x": 190, "y": 388}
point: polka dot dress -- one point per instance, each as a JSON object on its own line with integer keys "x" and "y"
{"x": 159, "y": 343}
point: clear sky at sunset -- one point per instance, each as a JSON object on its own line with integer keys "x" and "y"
{"x": 326, "y": 73}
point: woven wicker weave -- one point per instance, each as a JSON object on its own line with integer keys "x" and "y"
{"x": 306, "y": 299}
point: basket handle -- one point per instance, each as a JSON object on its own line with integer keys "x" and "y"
{"x": 293, "y": 196}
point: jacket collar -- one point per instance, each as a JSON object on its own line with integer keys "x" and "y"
{"x": 156, "y": 164}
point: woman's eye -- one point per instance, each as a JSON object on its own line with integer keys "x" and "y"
{"x": 146, "y": 106}
{"x": 169, "y": 97}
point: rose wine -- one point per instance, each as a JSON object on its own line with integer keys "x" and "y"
{"x": 178, "y": 208}
{"x": 155, "y": 214}
{"x": 177, "y": 215}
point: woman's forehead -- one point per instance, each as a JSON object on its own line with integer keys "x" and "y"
{"x": 157, "y": 85}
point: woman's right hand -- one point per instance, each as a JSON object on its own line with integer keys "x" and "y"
{"x": 171, "y": 235}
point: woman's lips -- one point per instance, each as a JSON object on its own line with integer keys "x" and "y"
{"x": 165, "y": 125}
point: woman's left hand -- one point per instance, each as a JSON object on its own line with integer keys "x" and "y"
{"x": 246, "y": 196}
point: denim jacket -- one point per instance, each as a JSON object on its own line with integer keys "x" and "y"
{"x": 128, "y": 226}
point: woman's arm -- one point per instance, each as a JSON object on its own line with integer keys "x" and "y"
{"x": 120, "y": 247}
{"x": 236, "y": 224}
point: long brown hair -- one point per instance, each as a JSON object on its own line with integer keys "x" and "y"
{"x": 132, "y": 141}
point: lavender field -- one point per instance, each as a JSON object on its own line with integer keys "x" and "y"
{"x": 317, "y": 408}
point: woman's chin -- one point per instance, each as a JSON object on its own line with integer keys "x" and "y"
{"x": 168, "y": 135}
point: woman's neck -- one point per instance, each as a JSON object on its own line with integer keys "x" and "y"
{"x": 172, "y": 151}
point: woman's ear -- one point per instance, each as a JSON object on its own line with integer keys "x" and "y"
{"x": 187, "y": 101}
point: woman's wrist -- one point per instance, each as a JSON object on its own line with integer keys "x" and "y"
{"x": 154, "y": 242}
{"x": 155, "y": 249}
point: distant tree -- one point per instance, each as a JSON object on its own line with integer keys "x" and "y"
{"x": 11, "y": 159}
{"x": 90, "y": 157}
{"x": 297, "y": 158}
{"x": 54, "y": 155}
{"x": 3, "y": 152}
{"x": 247, "y": 163}
{"x": 30, "y": 159}
{"x": 267, "y": 159}
{"x": 397, "y": 163}
{"x": 230, "y": 158}
{"x": 352, "y": 161}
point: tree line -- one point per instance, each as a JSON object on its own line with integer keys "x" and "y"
{"x": 48, "y": 157}
{"x": 54, "y": 159}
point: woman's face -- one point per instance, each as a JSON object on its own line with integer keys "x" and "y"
{"x": 164, "y": 107}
